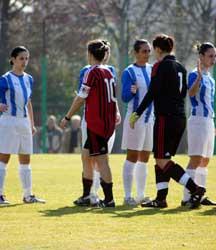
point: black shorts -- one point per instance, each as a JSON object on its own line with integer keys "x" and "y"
{"x": 168, "y": 131}
{"x": 96, "y": 144}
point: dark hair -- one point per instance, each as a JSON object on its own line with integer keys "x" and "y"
{"x": 164, "y": 42}
{"x": 138, "y": 43}
{"x": 202, "y": 48}
{"x": 98, "y": 49}
{"x": 15, "y": 52}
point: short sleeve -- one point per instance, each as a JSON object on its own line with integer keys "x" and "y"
{"x": 3, "y": 88}
{"x": 191, "y": 79}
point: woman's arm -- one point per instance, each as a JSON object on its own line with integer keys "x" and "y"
{"x": 31, "y": 117}
{"x": 193, "y": 90}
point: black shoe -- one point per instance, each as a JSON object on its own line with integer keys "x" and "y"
{"x": 107, "y": 203}
{"x": 185, "y": 203}
{"x": 83, "y": 201}
{"x": 207, "y": 202}
{"x": 196, "y": 197}
{"x": 155, "y": 203}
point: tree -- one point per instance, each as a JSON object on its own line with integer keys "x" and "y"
{"x": 9, "y": 10}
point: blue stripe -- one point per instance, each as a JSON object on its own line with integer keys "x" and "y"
{"x": 202, "y": 99}
{"x": 12, "y": 96}
{"x": 3, "y": 91}
{"x": 212, "y": 94}
{"x": 31, "y": 84}
{"x": 147, "y": 80}
{"x": 194, "y": 103}
{"x": 136, "y": 96}
{"x": 24, "y": 90}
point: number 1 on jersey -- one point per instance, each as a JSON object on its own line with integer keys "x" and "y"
{"x": 180, "y": 75}
{"x": 110, "y": 84}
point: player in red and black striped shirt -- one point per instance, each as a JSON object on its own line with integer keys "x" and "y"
{"x": 98, "y": 94}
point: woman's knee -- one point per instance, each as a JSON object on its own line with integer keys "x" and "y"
{"x": 132, "y": 155}
{"x": 4, "y": 158}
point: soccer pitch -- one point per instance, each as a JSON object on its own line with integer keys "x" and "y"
{"x": 59, "y": 225}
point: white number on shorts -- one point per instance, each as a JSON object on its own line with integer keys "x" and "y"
{"x": 110, "y": 84}
{"x": 180, "y": 81}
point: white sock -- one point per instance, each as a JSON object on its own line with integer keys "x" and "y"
{"x": 26, "y": 179}
{"x": 191, "y": 172}
{"x": 2, "y": 176}
{"x": 201, "y": 176}
{"x": 140, "y": 175}
{"x": 96, "y": 182}
{"x": 128, "y": 170}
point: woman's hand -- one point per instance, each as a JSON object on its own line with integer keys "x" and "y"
{"x": 63, "y": 123}
{"x": 3, "y": 107}
{"x": 34, "y": 130}
{"x": 134, "y": 89}
{"x": 118, "y": 119}
{"x": 133, "y": 119}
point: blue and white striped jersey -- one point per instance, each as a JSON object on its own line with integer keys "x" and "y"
{"x": 15, "y": 92}
{"x": 84, "y": 70}
{"x": 139, "y": 75}
{"x": 202, "y": 104}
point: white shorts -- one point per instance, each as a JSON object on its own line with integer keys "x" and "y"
{"x": 84, "y": 136}
{"x": 15, "y": 135}
{"x": 201, "y": 136}
{"x": 140, "y": 138}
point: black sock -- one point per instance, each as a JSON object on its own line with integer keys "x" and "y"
{"x": 161, "y": 178}
{"x": 191, "y": 186}
{"x": 176, "y": 172}
{"x": 87, "y": 183}
{"x": 107, "y": 189}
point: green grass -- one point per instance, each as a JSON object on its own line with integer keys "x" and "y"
{"x": 58, "y": 225}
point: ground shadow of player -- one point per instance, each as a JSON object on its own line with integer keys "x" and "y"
{"x": 126, "y": 212}
{"x": 212, "y": 211}
{"x": 11, "y": 205}
{"x": 68, "y": 210}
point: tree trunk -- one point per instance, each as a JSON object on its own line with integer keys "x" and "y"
{"x": 4, "y": 26}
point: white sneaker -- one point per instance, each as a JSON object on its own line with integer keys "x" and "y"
{"x": 33, "y": 199}
{"x": 129, "y": 202}
{"x": 142, "y": 200}
{"x": 3, "y": 200}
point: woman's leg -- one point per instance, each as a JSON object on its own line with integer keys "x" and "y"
{"x": 4, "y": 158}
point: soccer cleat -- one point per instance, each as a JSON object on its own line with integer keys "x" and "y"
{"x": 104, "y": 203}
{"x": 196, "y": 197}
{"x": 139, "y": 201}
{"x": 155, "y": 203}
{"x": 83, "y": 201}
{"x": 3, "y": 200}
{"x": 33, "y": 199}
{"x": 207, "y": 202}
{"x": 185, "y": 203}
{"x": 129, "y": 202}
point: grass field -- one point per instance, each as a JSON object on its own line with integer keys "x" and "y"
{"x": 58, "y": 225}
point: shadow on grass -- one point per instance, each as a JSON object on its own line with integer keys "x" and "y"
{"x": 11, "y": 205}
{"x": 61, "y": 211}
{"x": 117, "y": 212}
{"x": 212, "y": 211}
{"x": 143, "y": 211}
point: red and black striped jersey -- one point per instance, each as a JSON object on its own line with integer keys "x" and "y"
{"x": 100, "y": 106}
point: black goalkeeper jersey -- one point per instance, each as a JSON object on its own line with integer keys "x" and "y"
{"x": 167, "y": 89}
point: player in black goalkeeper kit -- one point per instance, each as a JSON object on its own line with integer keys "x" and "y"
{"x": 168, "y": 91}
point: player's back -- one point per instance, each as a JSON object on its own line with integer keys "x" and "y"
{"x": 100, "y": 111}
{"x": 171, "y": 76}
